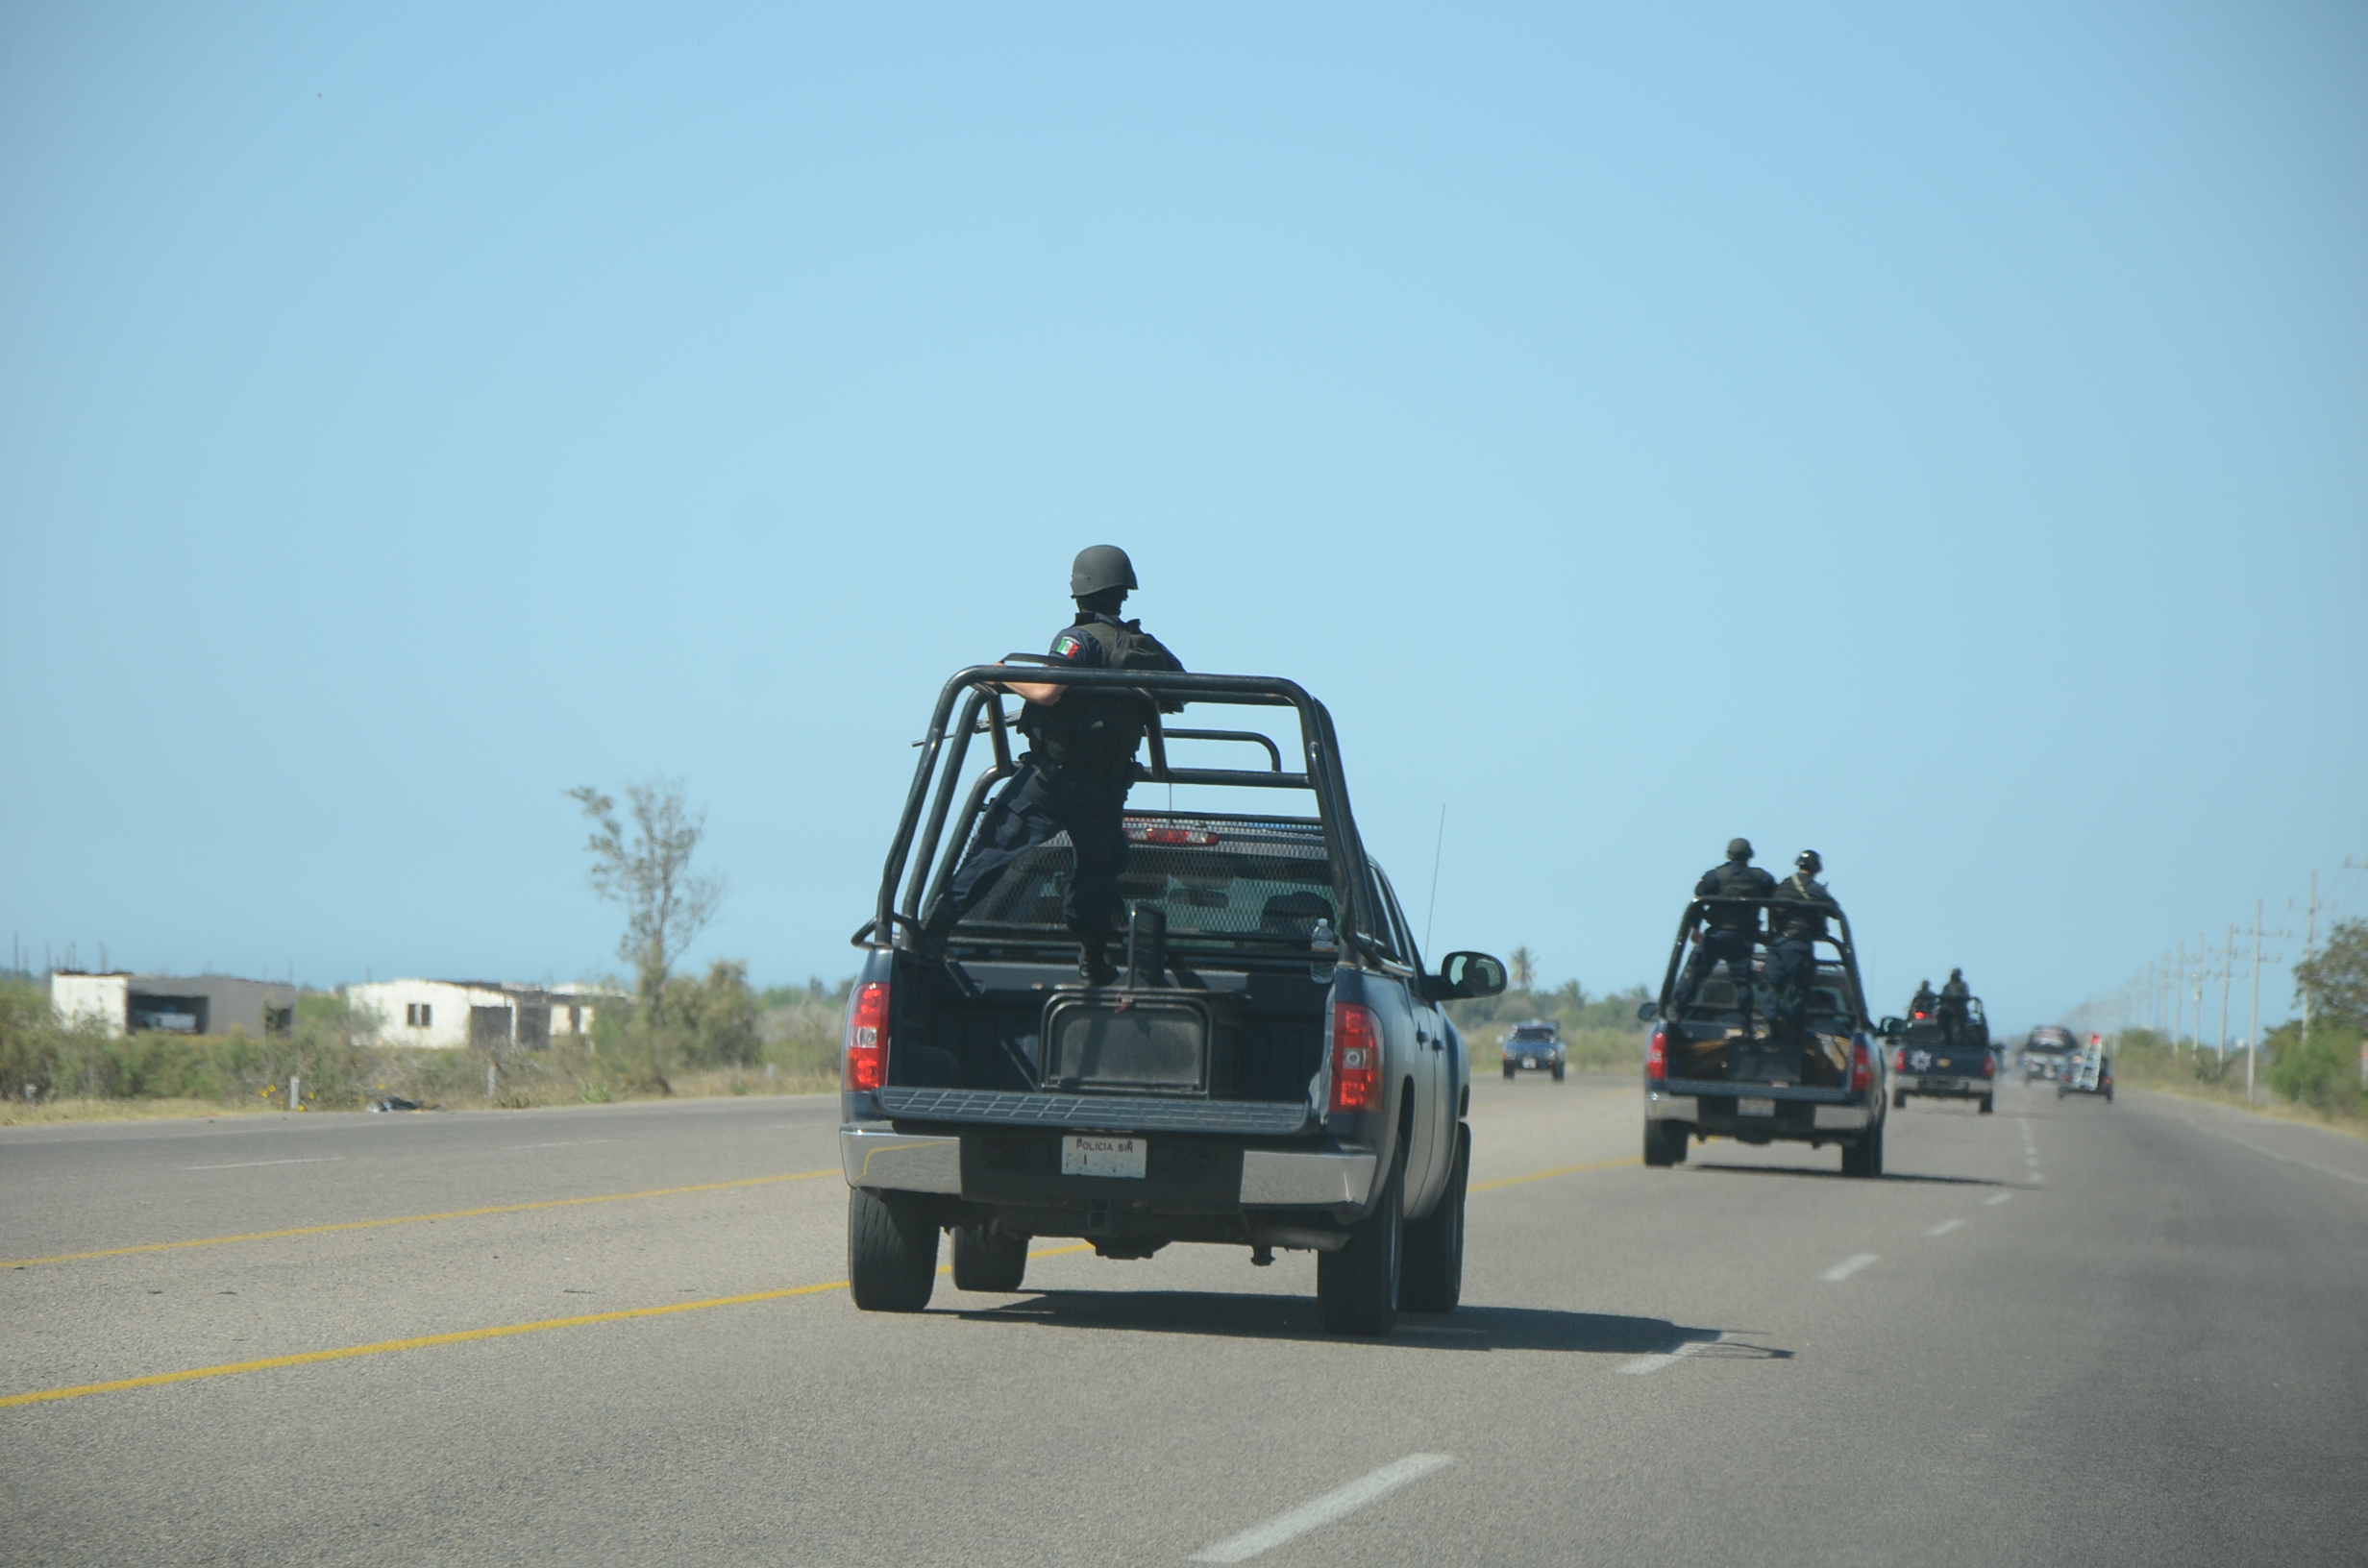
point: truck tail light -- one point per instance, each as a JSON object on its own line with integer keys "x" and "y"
{"x": 1356, "y": 1058}
{"x": 1861, "y": 1068}
{"x": 1657, "y": 1054}
{"x": 1989, "y": 1066}
{"x": 865, "y": 1063}
{"x": 1899, "y": 1060}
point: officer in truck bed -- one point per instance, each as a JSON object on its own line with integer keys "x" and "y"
{"x": 1727, "y": 931}
{"x": 1797, "y": 921}
{"x": 1075, "y": 776}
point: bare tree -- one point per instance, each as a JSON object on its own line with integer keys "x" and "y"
{"x": 646, "y": 872}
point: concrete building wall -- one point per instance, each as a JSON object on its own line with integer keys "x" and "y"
{"x": 104, "y": 999}
{"x": 189, "y": 1004}
{"x": 430, "y": 1012}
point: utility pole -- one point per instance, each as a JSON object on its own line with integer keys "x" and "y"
{"x": 2253, "y": 1028}
{"x": 2199, "y": 995}
{"x": 2179, "y": 995}
{"x": 2310, "y": 947}
{"x": 2228, "y": 960}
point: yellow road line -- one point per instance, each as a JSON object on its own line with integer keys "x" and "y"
{"x": 425, "y": 1342}
{"x": 1541, "y": 1175}
{"x": 416, "y": 1219}
{"x": 387, "y": 1347}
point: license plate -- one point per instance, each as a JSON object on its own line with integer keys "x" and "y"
{"x": 1101, "y": 1153}
{"x": 1755, "y": 1108}
{"x": 1529, "y": 1060}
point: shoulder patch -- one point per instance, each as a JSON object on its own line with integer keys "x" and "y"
{"x": 1066, "y": 646}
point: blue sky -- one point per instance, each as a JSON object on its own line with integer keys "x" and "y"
{"x": 1931, "y": 434}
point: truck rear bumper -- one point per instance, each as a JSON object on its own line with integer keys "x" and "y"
{"x": 883, "y": 1158}
{"x": 1943, "y": 1089}
{"x": 1821, "y": 1118}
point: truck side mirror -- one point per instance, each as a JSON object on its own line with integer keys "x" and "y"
{"x": 1464, "y": 976}
{"x": 1645, "y": 1011}
{"x": 1891, "y": 1029}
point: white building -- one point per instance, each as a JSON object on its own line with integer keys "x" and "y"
{"x": 479, "y": 1014}
{"x": 198, "y": 1004}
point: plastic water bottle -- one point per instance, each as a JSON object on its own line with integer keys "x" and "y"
{"x": 1324, "y": 952}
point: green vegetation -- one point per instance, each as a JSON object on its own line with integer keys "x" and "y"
{"x": 711, "y": 1036}
{"x": 2317, "y": 1077}
{"x": 1601, "y": 1033}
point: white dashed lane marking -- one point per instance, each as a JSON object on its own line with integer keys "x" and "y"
{"x": 1995, "y": 1199}
{"x": 1848, "y": 1267}
{"x": 1945, "y": 1227}
{"x": 1654, "y": 1364}
{"x": 1333, "y": 1504}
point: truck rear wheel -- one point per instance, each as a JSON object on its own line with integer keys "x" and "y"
{"x": 1664, "y": 1142}
{"x": 986, "y": 1258}
{"x": 1989, "y": 1103}
{"x": 1434, "y": 1278}
{"x": 891, "y": 1253}
{"x": 1864, "y": 1157}
{"x": 1356, "y": 1288}
{"x": 1899, "y": 1099}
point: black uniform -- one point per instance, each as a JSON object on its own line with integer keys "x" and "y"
{"x": 1073, "y": 778}
{"x": 1798, "y": 921}
{"x": 1923, "y": 1004}
{"x": 1727, "y": 932}
{"x": 1954, "y": 993}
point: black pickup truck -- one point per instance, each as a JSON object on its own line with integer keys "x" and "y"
{"x": 1274, "y": 1071}
{"x": 1720, "y": 1065}
{"x": 1925, "y": 1061}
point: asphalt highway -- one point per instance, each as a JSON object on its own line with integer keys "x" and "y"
{"x": 2068, "y": 1333}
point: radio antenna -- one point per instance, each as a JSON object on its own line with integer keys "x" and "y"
{"x": 1437, "y": 844}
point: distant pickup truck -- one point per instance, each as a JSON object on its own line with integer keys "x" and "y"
{"x": 1274, "y": 1071}
{"x": 2045, "y": 1052}
{"x": 1718, "y": 1066}
{"x": 1923, "y": 1061}
{"x": 1535, "y": 1046}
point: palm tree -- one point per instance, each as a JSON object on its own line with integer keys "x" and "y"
{"x": 1524, "y": 968}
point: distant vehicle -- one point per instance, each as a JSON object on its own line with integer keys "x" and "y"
{"x": 1535, "y": 1046}
{"x": 1924, "y": 1063}
{"x": 2088, "y": 1071}
{"x": 2044, "y": 1052}
{"x": 1716, "y": 1065}
{"x": 1275, "y": 1069}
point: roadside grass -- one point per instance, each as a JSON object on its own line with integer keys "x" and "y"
{"x": 718, "y": 1040}
{"x": 2143, "y": 1062}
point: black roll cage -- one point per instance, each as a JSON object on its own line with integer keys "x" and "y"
{"x": 921, "y": 828}
{"x": 1698, "y": 912}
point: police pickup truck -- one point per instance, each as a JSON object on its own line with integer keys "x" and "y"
{"x": 1720, "y": 1064}
{"x": 1274, "y": 1069}
{"x": 1924, "y": 1061}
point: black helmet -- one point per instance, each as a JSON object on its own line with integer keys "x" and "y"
{"x": 1100, "y": 567}
{"x": 1738, "y": 848}
{"x": 1810, "y": 862}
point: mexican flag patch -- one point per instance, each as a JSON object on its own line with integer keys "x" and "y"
{"x": 1065, "y": 646}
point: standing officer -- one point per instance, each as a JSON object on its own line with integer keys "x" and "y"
{"x": 1798, "y": 919}
{"x": 1952, "y": 997}
{"x": 1727, "y": 930}
{"x": 1076, "y": 773}
{"x": 1923, "y": 1004}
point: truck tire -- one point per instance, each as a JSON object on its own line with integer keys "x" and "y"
{"x": 1664, "y": 1142}
{"x": 1990, "y": 1103}
{"x": 1899, "y": 1099}
{"x": 1433, "y": 1281}
{"x": 1558, "y": 1072}
{"x": 985, "y": 1259}
{"x": 1357, "y": 1287}
{"x": 891, "y": 1253}
{"x": 1509, "y": 1070}
{"x": 1864, "y": 1157}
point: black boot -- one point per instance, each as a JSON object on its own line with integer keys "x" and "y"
{"x": 1095, "y": 966}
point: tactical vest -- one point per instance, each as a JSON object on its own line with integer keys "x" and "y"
{"x": 1792, "y": 918}
{"x": 1096, "y": 733}
{"x": 1736, "y": 881}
